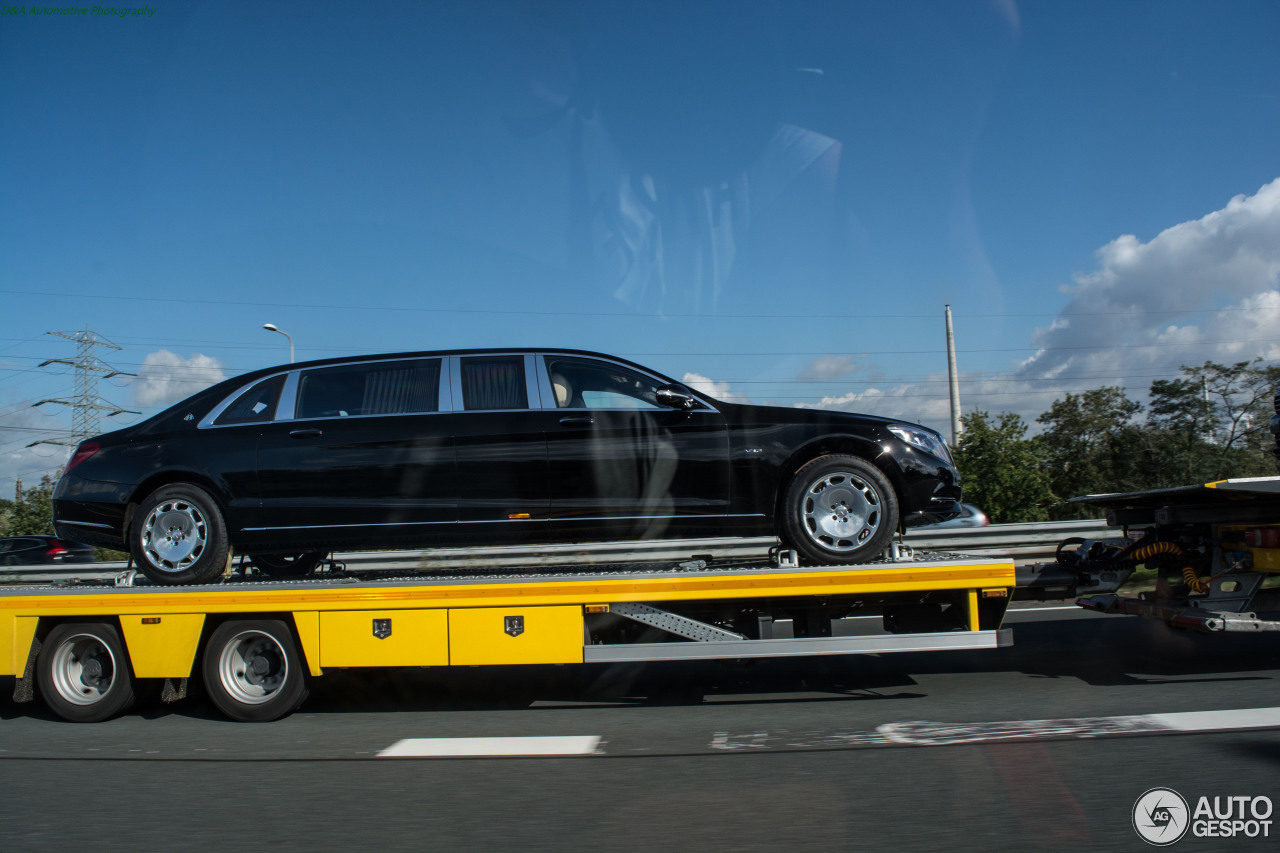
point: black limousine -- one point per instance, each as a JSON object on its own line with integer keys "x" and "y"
{"x": 488, "y": 447}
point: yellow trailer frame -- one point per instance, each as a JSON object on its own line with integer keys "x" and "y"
{"x": 458, "y": 621}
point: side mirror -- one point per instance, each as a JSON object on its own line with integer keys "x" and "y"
{"x": 675, "y": 397}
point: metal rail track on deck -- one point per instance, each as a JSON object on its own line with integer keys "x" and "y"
{"x": 1021, "y": 542}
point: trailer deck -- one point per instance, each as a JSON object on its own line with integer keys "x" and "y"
{"x": 295, "y": 629}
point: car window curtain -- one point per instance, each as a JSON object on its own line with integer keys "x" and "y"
{"x": 493, "y": 383}
{"x": 409, "y": 389}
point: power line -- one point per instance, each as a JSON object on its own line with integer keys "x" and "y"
{"x": 625, "y": 314}
{"x": 185, "y": 369}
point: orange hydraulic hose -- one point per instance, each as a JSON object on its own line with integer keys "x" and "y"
{"x": 1188, "y": 574}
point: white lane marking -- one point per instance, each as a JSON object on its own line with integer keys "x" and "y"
{"x": 476, "y": 747}
{"x": 1245, "y": 718}
{"x": 928, "y": 733}
{"x": 1070, "y": 607}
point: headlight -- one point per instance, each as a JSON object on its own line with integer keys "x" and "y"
{"x": 923, "y": 439}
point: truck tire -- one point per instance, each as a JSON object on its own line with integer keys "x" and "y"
{"x": 839, "y": 509}
{"x": 179, "y": 537}
{"x": 252, "y": 670}
{"x": 288, "y": 565}
{"x": 83, "y": 672}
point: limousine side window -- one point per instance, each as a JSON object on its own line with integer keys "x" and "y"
{"x": 581, "y": 383}
{"x": 257, "y": 405}
{"x": 494, "y": 382}
{"x": 374, "y": 388}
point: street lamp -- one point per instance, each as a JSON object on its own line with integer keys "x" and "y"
{"x": 270, "y": 327}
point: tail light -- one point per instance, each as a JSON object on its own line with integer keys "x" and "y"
{"x": 56, "y": 549}
{"x": 83, "y": 452}
{"x": 1262, "y": 537}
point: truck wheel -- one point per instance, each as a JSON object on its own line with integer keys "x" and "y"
{"x": 83, "y": 672}
{"x": 839, "y": 509}
{"x": 179, "y": 536}
{"x": 253, "y": 672}
{"x": 288, "y": 565}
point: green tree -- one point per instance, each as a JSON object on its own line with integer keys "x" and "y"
{"x": 1088, "y": 446}
{"x": 1001, "y": 469}
{"x": 34, "y": 513}
{"x": 1211, "y": 423}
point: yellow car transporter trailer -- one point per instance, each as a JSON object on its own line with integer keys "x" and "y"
{"x": 257, "y": 642}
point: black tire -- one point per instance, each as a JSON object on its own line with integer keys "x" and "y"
{"x": 288, "y": 565}
{"x": 179, "y": 537}
{"x": 83, "y": 672}
{"x": 253, "y": 672}
{"x": 839, "y": 509}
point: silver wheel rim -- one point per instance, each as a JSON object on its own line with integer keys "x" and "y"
{"x": 174, "y": 535}
{"x": 83, "y": 670}
{"x": 841, "y": 511}
{"x": 252, "y": 667}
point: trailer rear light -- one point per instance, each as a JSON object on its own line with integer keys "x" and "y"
{"x": 83, "y": 452}
{"x": 1262, "y": 537}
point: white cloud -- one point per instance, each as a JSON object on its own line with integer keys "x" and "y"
{"x": 907, "y": 402}
{"x": 719, "y": 390}
{"x": 166, "y": 378}
{"x": 1204, "y": 290}
{"x": 826, "y": 367}
{"x": 22, "y": 426}
{"x": 1146, "y": 305}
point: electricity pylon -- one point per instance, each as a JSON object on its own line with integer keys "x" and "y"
{"x": 86, "y": 405}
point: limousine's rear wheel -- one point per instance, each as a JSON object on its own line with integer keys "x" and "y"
{"x": 179, "y": 537}
{"x": 288, "y": 565}
{"x": 839, "y": 509}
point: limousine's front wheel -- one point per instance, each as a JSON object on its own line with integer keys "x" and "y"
{"x": 179, "y": 537}
{"x": 839, "y": 509}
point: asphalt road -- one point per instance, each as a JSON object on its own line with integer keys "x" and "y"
{"x": 898, "y": 752}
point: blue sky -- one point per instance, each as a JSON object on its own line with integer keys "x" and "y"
{"x": 771, "y": 200}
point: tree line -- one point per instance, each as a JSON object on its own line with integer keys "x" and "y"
{"x": 1210, "y": 423}
{"x": 30, "y": 514}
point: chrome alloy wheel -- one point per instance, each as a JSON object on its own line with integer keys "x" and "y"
{"x": 252, "y": 667}
{"x": 83, "y": 669}
{"x": 841, "y": 511}
{"x": 174, "y": 535}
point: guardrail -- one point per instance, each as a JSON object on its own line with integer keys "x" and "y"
{"x": 1025, "y": 543}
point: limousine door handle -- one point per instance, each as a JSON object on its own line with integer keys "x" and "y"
{"x": 306, "y": 433}
{"x": 578, "y": 422}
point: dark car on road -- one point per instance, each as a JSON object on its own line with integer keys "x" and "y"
{"x": 494, "y": 446}
{"x": 38, "y": 550}
{"x": 968, "y": 516}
